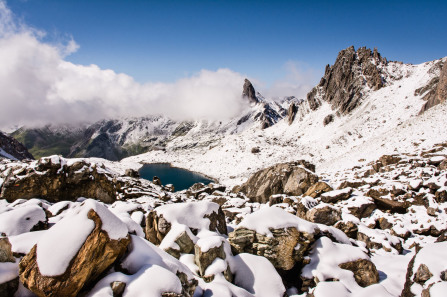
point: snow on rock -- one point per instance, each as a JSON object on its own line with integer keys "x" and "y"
{"x": 22, "y": 219}
{"x": 257, "y": 275}
{"x": 75, "y": 251}
{"x": 329, "y": 260}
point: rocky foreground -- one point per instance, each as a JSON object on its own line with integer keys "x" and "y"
{"x": 75, "y": 227}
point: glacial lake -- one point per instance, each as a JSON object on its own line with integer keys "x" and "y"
{"x": 181, "y": 178}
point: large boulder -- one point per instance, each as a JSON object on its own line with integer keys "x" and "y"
{"x": 324, "y": 214}
{"x": 293, "y": 179}
{"x": 200, "y": 215}
{"x": 74, "y": 252}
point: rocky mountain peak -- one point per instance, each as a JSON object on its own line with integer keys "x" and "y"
{"x": 249, "y": 92}
{"x": 10, "y": 147}
{"x": 345, "y": 82}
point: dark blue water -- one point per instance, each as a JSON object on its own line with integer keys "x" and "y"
{"x": 181, "y": 178}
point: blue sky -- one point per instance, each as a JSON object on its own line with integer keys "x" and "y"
{"x": 168, "y": 40}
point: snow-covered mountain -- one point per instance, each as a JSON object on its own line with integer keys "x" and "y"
{"x": 364, "y": 106}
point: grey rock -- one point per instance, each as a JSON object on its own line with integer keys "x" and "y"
{"x": 293, "y": 179}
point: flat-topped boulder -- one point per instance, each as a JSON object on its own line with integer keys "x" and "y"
{"x": 293, "y": 179}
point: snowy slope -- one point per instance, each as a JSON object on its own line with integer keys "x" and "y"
{"x": 386, "y": 121}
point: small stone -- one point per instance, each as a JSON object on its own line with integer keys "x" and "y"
{"x": 118, "y": 288}
{"x": 423, "y": 274}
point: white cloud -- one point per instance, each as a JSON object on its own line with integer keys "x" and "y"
{"x": 297, "y": 81}
{"x": 38, "y": 86}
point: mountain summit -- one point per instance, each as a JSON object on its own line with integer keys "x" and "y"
{"x": 249, "y": 92}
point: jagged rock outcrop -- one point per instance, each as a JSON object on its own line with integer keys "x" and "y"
{"x": 344, "y": 83}
{"x": 249, "y": 92}
{"x": 98, "y": 252}
{"x": 293, "y": 178}
{"x": 291, "y": 113}
{"x": 11, "y": 148}
{"x": 439, "y": 93}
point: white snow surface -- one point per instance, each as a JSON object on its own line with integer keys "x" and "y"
{"x": 257, "y": 275}
{"x": 191, "y": 214}
{"x": 21, "y": 219}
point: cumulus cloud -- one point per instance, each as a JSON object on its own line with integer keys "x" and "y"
{"x": 297, "y": 81}
{"x": 38, "y": 86}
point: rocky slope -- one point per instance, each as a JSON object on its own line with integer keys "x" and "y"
{"x": 12, "y": 149}
{"x": 351, "y": 232}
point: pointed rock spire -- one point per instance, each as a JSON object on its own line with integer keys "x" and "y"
{"x": 249, "y": 92}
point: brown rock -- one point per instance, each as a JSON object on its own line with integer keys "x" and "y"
{"x": 95, "y": 256}
{"x": 5, "y": 251}
{"x": 349, "y": 228}
{"x": 391, "y": 205}
{"x": 365, "y": 272}
{"x": 280, "y": 249}
{"x": 326, "y": 214}
{"x": 318, "y": 189}
{"x": 328, "y": 119}
{"x": 293, "y": 179}
{"x": 363, "y": 210}
{"x": 57, "y": 182}
{"x": 118, "y": 288}
{"x": 423, "y": 274}
{"x": 9, "y": 288}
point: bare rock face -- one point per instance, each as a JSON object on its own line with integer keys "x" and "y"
{"x": 440, "y": 93}
{"x": 344, "y": 82}
{"x": 54, "y": 181}
{"x": 249, "y": 92}
{"x": 291, "y": 113}
{"x": 293, "y": 178}
{"x": 96, "y": 255}
{"x": 280, "y": 249}
{"x": 13, "y": 148}
{"x": 365, "y": 272}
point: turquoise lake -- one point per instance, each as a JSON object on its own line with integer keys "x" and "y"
{"x": 181, "y": 178}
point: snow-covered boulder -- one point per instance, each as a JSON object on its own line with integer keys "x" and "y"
{"x": 22, "y": 219}
{"x": 282, "y": 238}
{"x": 197, "y": 216}
{"x": 324, "y": 214}
{"x": 293, "y": 178}
{"x": 75, "y": 251}
{"x": 329, "y": 261}
{"x": 210, "y": 251}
